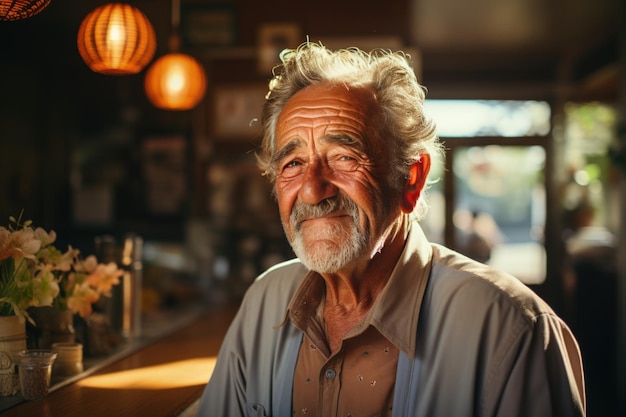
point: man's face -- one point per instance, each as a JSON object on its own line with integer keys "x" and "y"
{"x": 332, "y": 168}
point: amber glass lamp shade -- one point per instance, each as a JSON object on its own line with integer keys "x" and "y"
{"x": 21, "y": 9}
{"x": 116, "y": 39}
{"x": 175, "y": 82}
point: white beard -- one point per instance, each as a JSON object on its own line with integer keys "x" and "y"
{"x": 331, "y": 247}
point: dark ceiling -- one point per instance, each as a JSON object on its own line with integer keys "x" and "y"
{"x": 529, "y": 45}
{"x": 496, "y": 25}
{"x": 477, "y": 47}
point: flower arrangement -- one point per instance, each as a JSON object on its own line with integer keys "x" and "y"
{"x": 33, "y": 272}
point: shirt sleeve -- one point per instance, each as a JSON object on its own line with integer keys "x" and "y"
{"x": 542, "y": 373}
{"x": 254, "y": 369}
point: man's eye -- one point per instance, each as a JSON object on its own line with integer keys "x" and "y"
{"x": 345, "y": 163}
{"x": 291, "y": 169}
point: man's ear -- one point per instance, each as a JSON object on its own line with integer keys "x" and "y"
{"x": 415, "y": 183}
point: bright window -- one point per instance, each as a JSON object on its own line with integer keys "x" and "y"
{"x": 495, "y": 163}
{"x": 471, "y": 118}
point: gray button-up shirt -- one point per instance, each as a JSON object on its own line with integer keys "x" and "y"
{"x": 473, "y": 341}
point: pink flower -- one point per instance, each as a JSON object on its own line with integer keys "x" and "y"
{"x": 18, "y": 244}
{"x": 89, "y": 264}
{"x": 45, "y": 237}
{"x": 82, "y": 298}
{"x": 104, "y": 277}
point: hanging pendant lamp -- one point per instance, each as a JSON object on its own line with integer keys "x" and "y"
{"x": 175, "y": 81}
{"x": 116, "y": 39}
{"x": 21, "y": 9}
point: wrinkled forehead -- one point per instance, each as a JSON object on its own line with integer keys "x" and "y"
{"x": 328, "y": 103}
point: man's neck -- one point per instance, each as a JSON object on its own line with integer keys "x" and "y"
{"x": 350, "y": 293}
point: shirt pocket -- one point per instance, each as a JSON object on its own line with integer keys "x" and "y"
{"x": 257, "y": 410}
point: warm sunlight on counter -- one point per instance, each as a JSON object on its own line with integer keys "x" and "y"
{"x": 185, "y": 373}
{"x": 164, "y": 378}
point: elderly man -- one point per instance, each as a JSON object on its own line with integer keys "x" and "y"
{"x": 371, "y": 319}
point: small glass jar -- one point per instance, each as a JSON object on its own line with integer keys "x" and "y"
{"x": 69, "y": 360}
{"x": 34, "y": 369}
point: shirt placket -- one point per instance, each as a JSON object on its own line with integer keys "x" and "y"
{"x": 330, "y": 384}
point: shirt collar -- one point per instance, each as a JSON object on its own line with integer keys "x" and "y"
{"x": 395, "y": 312}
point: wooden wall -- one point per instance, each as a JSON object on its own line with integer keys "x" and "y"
{"x": 68, "y": 134}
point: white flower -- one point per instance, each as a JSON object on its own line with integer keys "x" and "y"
{"x": 33, "y": 272}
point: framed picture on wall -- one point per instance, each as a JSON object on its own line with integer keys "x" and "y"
{"x": 208, "y": 25}
{"x": 237, "y": 111}
{"x": 164, "y": 170}
{"x": 273, "y": 38}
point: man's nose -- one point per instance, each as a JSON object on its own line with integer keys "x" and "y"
{"x": 317, "y": 183}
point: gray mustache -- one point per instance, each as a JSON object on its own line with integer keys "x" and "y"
{"x": 303, "y": 211}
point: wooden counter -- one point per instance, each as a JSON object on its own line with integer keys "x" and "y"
{"x": 161, "y": 379}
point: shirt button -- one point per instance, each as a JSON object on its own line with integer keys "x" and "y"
{"x": 330, "y": 373}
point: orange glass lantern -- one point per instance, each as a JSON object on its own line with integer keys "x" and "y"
{"x": 21, "y": 9}
{"x": 116, "y": 39}
{"x": 175, "y": 82}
